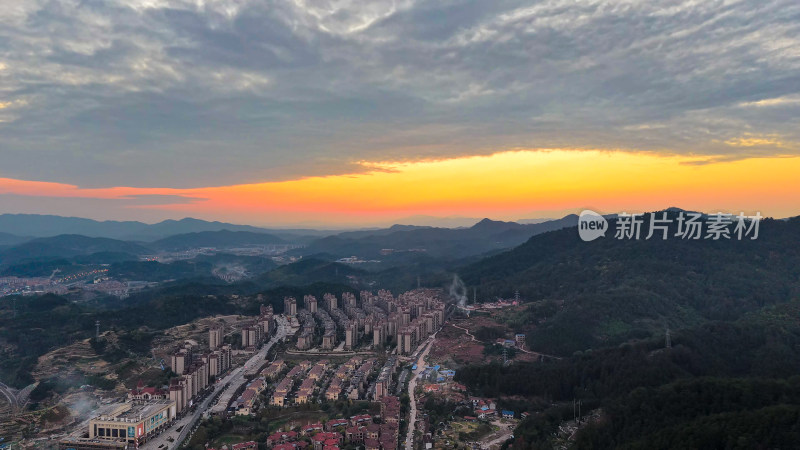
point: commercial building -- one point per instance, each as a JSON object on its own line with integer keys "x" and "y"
{"x": 134, "y": 422}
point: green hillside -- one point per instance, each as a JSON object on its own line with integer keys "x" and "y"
{"x": 608, "y": 291}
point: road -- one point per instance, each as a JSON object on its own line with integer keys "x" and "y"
{"x": 238, "y": 375}
{"x": 233, "y": 380}
{"x": 9, "y": 394}
{"x": 401, "y": 381}
{"x": 412, "y": 386}
{"x": 503, "y": 433}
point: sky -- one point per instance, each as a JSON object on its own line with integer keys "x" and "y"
{"x": 344, "y": 112}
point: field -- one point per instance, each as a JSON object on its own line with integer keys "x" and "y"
{"x": 463, "y": 341}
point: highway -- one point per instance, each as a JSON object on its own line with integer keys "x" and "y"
{"x": 412, "y": 421}
{"x": 233, "y": 380}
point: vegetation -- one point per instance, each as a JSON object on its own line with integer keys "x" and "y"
{"x": 156, "y": 271}
{"x": 67, "y": 246}
{"x": 701, "y": 413}
{"x": 610, "y": 291}
{"x": 221, "y": 238}
{"x": 733, "y": 313}
{"x": 601, "y": 310}
{"x": 713, "y": 373}
{"x": 33, "y": 326}
{"x": 489, "y": 334}
{"x": 441, "y": 243}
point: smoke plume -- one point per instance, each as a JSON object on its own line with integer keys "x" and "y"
{"x": 458, "y": 291}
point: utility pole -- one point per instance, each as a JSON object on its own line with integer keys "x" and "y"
{"x": 418, "y": 282}
{"x": 97, "y": 329}
{"x": 668, "y": 340}
{"x": 516, "y": 296}
{"x": 474, "y": 295}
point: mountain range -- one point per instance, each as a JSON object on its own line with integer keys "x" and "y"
{"x": 36, "y": 225}
{"x": 449, "y": 243}
{"x": 35, "y": 238}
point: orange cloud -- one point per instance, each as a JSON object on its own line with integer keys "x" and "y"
{"x": 504, "y": 185}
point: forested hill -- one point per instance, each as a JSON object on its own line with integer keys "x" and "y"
{"x": 589, "y": 294}
{"x": 221, "y": 238}
{"x": 727, "y": 379}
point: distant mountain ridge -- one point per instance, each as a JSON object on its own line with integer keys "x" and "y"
{"x": 36, "y": 225}
{"x": 453, "y": 243}
{"x": 8, "y": 239}
{"x": 68, "y": 246}
{"x": 222, "y": 238}
{"x": 55, "y": 237}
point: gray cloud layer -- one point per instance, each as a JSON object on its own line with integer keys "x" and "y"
{"x": 182, "y": 93}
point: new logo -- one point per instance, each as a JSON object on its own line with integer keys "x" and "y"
{"x": 591, "y": 225}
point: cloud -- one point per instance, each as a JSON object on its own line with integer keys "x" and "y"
{"x": 755, "y": 141}
{"x": 186, "y": 93}
{"x": 502, "y": 185}
{"x": 770, "y": 102}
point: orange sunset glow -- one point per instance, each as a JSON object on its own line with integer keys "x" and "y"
{"x": 508, "y": 185}
{"x": 350, "y": 114}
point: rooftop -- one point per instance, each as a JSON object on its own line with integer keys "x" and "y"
{"x": 144, "y": 409}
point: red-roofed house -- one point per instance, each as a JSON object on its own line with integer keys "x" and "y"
{"x": 458, "y": 387}
{"x": 312, "y": 427}
{"x": 355, "y": 434}
{"x": 250, "y": 445}
{"x": 373, "y": 431}
{"x": 335, "y": 423}
{"x": 141, "y": 392}
{"x": 281, "y": 437}
{"x": 284, "y": 447}
{"x": 357, "y": 420}
{"x": 320, "y": 439}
